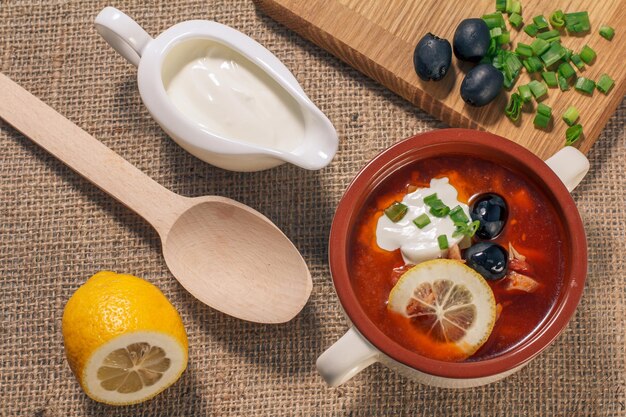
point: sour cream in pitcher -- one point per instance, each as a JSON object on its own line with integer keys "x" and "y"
{"x": 415, "y": 244}
{"x": 226, "y": 94}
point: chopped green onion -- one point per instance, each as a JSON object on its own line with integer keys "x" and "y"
{"x": 570, "y": 116}
{"x": 541, "y": 120}
{"x": 550, "y": 78}
{"x": 512, "y": 64}
{"x": 473, "y": 227}
{"x": 498, "y": 59}
{"x": 550, "y": 36}
{"x": 539, "y": 46}
{"x": 544, "y": 109}
{"x": 605, "y": 83}
{"x": 533, "y": 64}
{"x": 514, "y": 108}
{"x": 458, "y": 215}
{"x": 501, "y": 5}
{"x": 516, "y": 7}
{"x": 495, "y": 32}
{"x": 540, "y": 22}
{"x": 553, "y": 54}
{"x": 572, "y": 134}
{"x": 508, "y": 82}
{"x": 488, "y": 57}
{"x": 442, "y": 240}
{"x": 557, "y": 19}
{"x": 504, "y": 38}
{"x": 607, "y": 32}
{"x": 439, "y": 209}
{"x": 577, "y": 22}
{"x": 566, "y": 70}
{"x": 509, "y": 6}
{"x": 585, "y": 85}
{"x": 493, "y": 47}
{"x": 516, "y": 20}
{"x": 509, "y": 64}
{"x": 460, "y": 229}
{"x": 524, "y": 50}
{"x": 531, "y": 30}
{"x": 529, "y": 66}
{"x": 465, "y": 229}
{"x": 525, "y": 94}
{"x": 396, "y": 211}
{"x": 587, "y": 54}
{"x": 429, "y": 199}
{"x": 575, "y": 58}
{"x": 539, "y": 89}
{"x": 422, "y": 221}
{"x": 568, "y": 54}
{"x": 494, "y": 20}
{"x": 563, "y": 84}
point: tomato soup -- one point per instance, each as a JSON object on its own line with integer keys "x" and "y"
{"x": 532, "y": 228}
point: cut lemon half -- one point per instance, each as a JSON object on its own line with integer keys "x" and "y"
{"x": 450, "y": 305}
{"x": 124, "y": 341}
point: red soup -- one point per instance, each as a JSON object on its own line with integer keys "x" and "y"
{"x": 532, "y": 228}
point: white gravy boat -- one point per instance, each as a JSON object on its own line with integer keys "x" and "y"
{"x": 159, "y": 59}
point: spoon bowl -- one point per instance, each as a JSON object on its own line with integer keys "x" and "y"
{"x": 224, "y": 253}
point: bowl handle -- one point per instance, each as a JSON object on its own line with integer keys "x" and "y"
{"x": 570, "y": 165}
{"x": 346, "y": 357}
{"x": 122, "y": 33}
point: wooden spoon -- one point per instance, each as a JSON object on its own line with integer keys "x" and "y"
{"x": 224, "y": 253}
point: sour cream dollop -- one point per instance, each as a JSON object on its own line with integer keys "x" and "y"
{"x": 419, "y": 245}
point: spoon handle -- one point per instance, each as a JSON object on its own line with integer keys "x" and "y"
{"x": 87, "y": 156}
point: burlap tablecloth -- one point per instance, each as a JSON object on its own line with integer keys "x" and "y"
{"x": 57, "y": 229}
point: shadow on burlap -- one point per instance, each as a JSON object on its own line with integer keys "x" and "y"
{"x": 56, "y": 230}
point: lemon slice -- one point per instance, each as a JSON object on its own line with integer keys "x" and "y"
{"x": 124, "y": 341}
{"x": 449, "y": 303}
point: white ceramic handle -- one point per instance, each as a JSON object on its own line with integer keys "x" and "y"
{"x": 346, "y": 357}
{"x": 570, "y": 165}
{"x": 122, "y": 33}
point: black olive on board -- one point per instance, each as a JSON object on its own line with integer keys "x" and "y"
{"x": 488, "y": 259}
{"x": 481, "y": 85}
{"x": 432, "y": 57}
{"x": 491, "y": 211}
{"x": 471, "y": 40}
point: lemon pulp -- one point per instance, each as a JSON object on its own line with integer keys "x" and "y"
{"x": 131, "y": 368}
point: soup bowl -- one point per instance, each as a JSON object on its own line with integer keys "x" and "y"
{"x": 365, "y": 344}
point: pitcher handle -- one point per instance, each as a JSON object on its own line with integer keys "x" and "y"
{"x": 122, "y": 33}
{"x": 346, "y": 357}
{"x": 570, "y": 165}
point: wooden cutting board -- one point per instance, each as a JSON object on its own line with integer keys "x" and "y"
{"x": 378, "y": 38}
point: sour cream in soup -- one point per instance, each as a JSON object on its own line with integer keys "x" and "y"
{"x": 226, "y": 94}
{"x": 418, "y": 245}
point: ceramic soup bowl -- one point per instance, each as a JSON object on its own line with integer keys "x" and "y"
{"x": 365, "y": 344}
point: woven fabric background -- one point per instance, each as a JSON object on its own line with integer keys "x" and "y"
{"x": 56, "y": 230}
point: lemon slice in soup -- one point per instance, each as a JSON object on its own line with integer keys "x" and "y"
{"x": 448, "y": 303}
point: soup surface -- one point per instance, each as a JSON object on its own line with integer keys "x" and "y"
{"x": 532, "y": 228}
